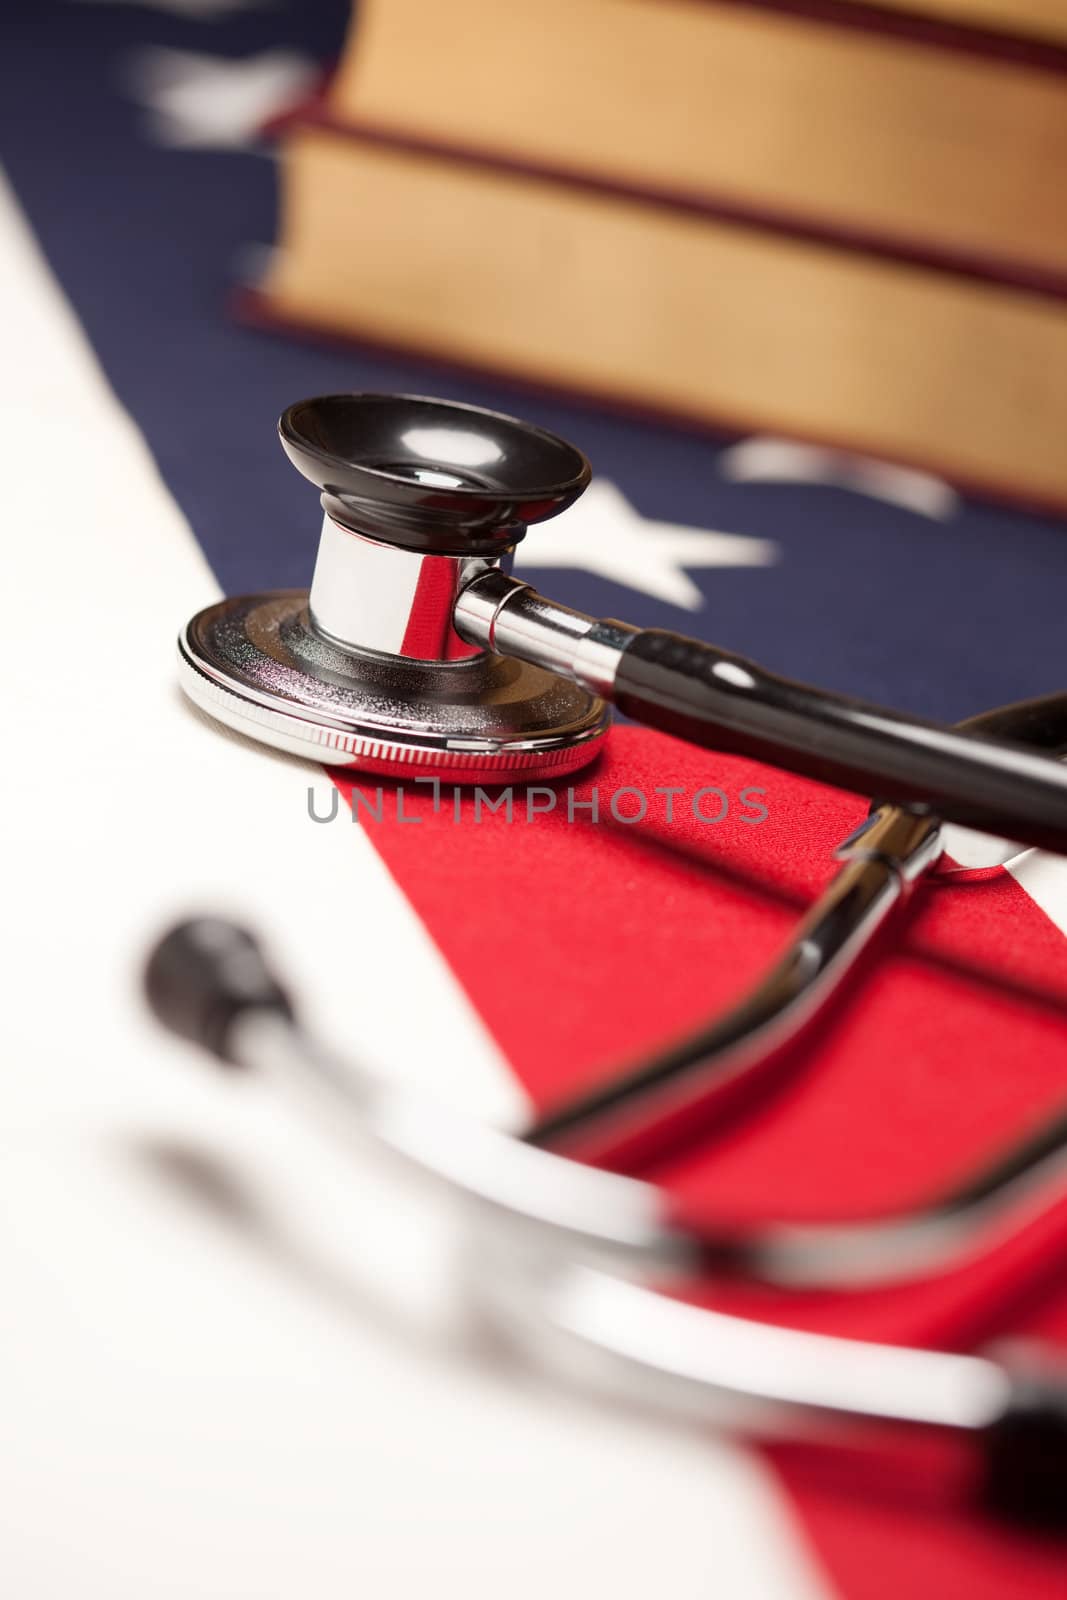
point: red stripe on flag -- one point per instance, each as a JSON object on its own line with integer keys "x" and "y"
{"x": 584, "y": 945}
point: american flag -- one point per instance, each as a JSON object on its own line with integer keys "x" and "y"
{"x": 232, "y": 1363}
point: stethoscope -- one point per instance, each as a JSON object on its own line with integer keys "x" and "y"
{"x": 416, "y": 653}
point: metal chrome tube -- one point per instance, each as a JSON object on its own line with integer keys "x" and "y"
{"x": 545, "y": 1198}
{"x": 641, "y": 1344}
{"x": 530, "y": 1210}
{"x": 508, "y": 617}
{"x": 884, "y": 858}
{"x": 640, "y": 1106}
{"x": 937, "y": 1237}
{"x": 540, "y": 1226}
{"x": 540, "y": 1196}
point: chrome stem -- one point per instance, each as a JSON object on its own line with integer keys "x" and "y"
{"x": 506, "y": 616}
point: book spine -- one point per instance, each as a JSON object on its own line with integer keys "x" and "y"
{"x": 256, "y": 308}
{"x": 1044, "y": 53}
{"x": 920, "y": 253}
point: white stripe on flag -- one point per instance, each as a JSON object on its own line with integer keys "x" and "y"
{"x": 231, "y": 1366}
{"x": 1044, "y": 877}
{"x": 136, "y": 809}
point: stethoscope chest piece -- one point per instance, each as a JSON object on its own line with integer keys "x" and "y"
{"x": 416, "y": 649}
{"x": 367, "y": 670}
{"x": 259, "y": 665}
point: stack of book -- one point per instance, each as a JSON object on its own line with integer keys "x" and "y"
{"x": 841, "y": 222}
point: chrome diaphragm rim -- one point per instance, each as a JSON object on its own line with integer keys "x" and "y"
{"x": 256, "y": 664}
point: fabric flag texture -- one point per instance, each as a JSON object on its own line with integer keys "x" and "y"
{"x": 573, "y": 944}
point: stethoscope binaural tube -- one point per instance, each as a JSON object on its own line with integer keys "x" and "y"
{"x": 636, "y": 1345}
{"x": 538, "y": 1191}
{"x": 724, "y": 702}
{"x": 643, "y": 1108}
{"x": 636, "y": 1113}
{"x": 556, "y": 1246}
{"x": 416, "y": 652}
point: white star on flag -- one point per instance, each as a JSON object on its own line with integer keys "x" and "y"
{"x": 603, "y": 533}
{"x": 209, "y": 102}
{"x": 764, "y": 459}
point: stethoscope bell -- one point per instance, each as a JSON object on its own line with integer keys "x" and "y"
{"x": 420, "y": 498}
